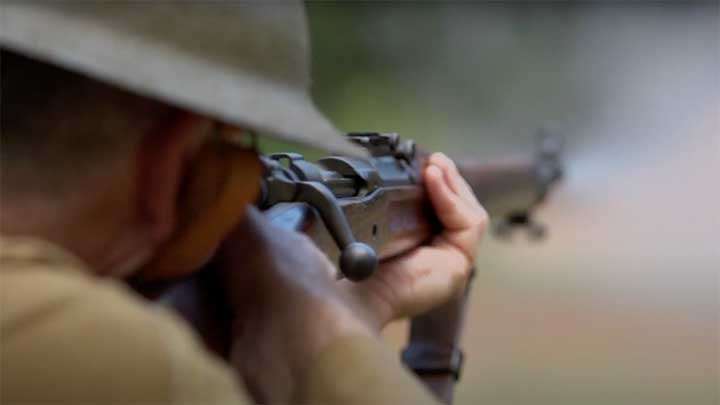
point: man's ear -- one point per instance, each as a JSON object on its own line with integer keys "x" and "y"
{"x": 163, "y": 158}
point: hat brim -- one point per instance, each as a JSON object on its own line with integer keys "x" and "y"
{"x": 173, "y": 76}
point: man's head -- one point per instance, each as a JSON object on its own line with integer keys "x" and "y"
{"x": 89, "y": 165}
{"x": 97, "y": 134}
{"x": 60, "y": 127}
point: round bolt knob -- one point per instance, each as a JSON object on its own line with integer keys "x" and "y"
{"x": 358, "y": 261}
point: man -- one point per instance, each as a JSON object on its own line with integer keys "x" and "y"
{"x": 107, "y": 114}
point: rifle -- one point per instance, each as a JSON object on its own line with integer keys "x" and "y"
{"x": 360, "y": 211}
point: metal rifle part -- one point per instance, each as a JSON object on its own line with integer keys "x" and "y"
{"x": 304, "y": 182}
{"x": 511, "y": 191}
{"x": 321, "y": 185}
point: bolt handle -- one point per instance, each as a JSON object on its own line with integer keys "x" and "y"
{"x": 358, "y": 261}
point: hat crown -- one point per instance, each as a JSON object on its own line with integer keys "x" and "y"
{"x": 242, "y": 62}
{"x": 265, "y": 39}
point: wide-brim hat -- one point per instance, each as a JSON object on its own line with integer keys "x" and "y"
{"x": 245, "y": 63}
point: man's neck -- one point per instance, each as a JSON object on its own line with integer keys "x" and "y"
{"x": 79, "y": 230}
{"x": 29, "y": 217}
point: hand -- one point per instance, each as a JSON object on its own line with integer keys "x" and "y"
{"x": 429, "y": 275}
{"x": 287, "y": 306}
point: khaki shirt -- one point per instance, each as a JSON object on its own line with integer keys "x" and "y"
{"x": 69, "y": 337}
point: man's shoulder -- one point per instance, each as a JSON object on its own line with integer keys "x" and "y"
{"x": 37, "y": 295}
{"x": 68, "y": 335}
{"x": 42, "y": 283}
{"x": 38, "y": 278}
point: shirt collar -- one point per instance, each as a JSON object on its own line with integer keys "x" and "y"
{"x": 24, "y": 249}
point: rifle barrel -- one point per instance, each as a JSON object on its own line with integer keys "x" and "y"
{"x": 504, "y": 187}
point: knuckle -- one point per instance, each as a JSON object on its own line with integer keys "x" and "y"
{"x": 475, "y": 224}
{"x": 461, "y": 274}
{"x": 480, "y": 220}
{"x": 442, "y": 160}
{"x": 452, "y": 165}
{"x": 434, "y": 159}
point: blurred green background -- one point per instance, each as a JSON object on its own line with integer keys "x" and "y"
{"x": 620, "y": 304}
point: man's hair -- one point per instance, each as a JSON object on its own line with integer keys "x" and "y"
{"x": 56, "y": 125}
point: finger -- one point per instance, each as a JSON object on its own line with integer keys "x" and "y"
{"x": 452, "y": 211}
{"x": 444, "y": 163}
{"x": 452, "y": 175}
{"x": 464, "y": 224}
{"x": 420, "y": 280}
{"x": 457, "y": 182}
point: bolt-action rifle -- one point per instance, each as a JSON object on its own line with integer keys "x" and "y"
{"x": 360, "y": 211}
